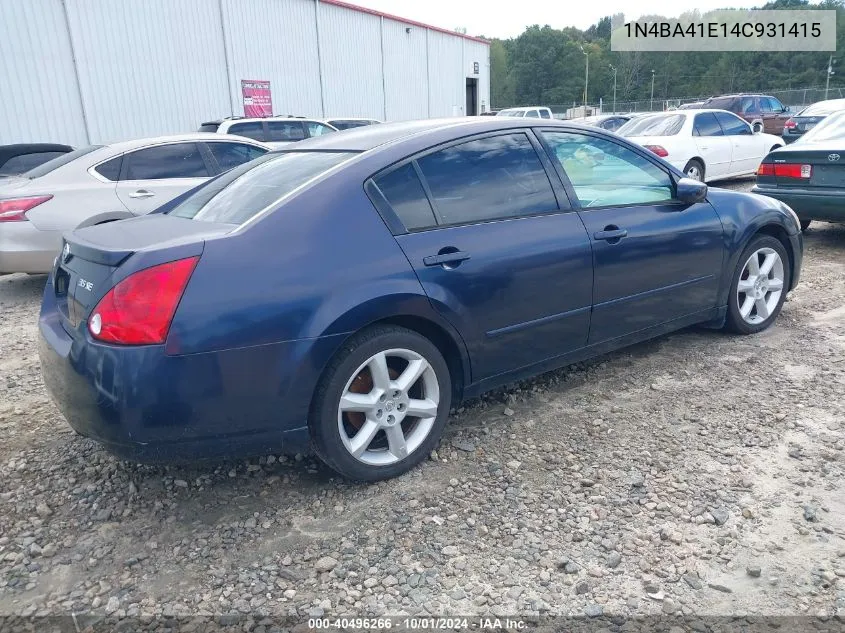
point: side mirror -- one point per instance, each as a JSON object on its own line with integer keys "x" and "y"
{"x": 690, "y": 191}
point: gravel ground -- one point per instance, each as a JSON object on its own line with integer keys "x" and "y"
{"x": 700, "y": 473}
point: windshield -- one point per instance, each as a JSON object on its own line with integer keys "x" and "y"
{"x": 243, "y": 192}
{"x": 823, "y": 108}
{"x": 831, "y": 129}
{"x": 661, "y": 125}
{"x": 59, "y": 161}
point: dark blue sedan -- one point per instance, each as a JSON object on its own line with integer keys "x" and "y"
{"x": 345, "y": 293}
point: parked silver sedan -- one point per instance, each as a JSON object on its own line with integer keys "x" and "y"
{"x": 103, "y": 183}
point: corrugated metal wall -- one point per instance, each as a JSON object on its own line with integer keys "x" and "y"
{"x": 39, "y": 94}
{"x": 274, "y": 40}
{"x": 98, "y": 71}
{"x": 350, "y": 57}
{"x": 405, "y": 71}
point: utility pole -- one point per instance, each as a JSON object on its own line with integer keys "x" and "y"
{"x": 613, "y": 68}
{"x": 829, "y": 73}
{"x": 586, "y": 76}
{"x": 651, "y": 107}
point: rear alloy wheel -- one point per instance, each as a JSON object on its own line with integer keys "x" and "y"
{"x": 695, "y": 170}
{"x": 759, "y": 286}
{"x": 381, "y": 405}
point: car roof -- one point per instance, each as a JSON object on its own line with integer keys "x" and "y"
{"x": 123, "y": 146}
{"x": 361, "y": 139}
{"x": 523, "y": 108}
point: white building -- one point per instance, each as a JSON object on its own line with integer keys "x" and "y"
{"x": 96, "y": 71}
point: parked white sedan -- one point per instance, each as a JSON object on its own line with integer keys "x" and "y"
{"x": 102, "y": 183}
{"x": 706, "y": 145}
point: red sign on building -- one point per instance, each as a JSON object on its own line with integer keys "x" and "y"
{"x": 257, "y": 99}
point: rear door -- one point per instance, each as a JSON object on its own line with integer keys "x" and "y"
{"x": 712, "y": 144}
{"x": 747, "y": 148}
{"x": 496, "y": 249}
{"x": 152, "y": 176}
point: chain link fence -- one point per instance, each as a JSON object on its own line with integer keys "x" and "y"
{"x": 793, "y": 98}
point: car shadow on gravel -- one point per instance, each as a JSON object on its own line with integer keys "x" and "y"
{"x": 20, "y": 288}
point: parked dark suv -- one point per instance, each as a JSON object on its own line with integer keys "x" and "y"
{"x": 764, "y": 113}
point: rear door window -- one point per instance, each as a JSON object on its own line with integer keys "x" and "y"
{"x": 404, "y": 191}
{"x": 318, "y": 129}
{"x": 285, "y": 131}
{"x": 533, "y": 114}
{"x": 253, "y": 130}
{"x": 732, "y": 124}
{"x": 110, "y": 170}
{"x": 491, "y": 178}
{"x": 545, "y": 114}
{"x": 746, "y": 105}
{"x": 229, "y": 155}
{"x": 163, "y": 162}
{"x": 706, "y": 124}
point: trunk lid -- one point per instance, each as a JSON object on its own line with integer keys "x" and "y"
{"x": 90, "y": 257}
{"x": 827, "y": 160}
{"x": 806, "y": 123}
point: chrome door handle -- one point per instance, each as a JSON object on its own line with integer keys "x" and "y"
{"x": 141, "y": 193}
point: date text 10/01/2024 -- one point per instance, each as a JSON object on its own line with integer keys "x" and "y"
{"x": 408, "y": 623}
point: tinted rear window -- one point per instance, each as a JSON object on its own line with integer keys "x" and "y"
{"x": 59, "y": 161}
{"x": 24, "y": 162}
{"x": 209, "y": 127}
{"x": 241, "y": 193}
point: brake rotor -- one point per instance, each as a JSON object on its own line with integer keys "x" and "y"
{"x": 363, "y": 383}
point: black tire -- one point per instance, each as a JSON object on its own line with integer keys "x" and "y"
{"x": 696, "y": 165}
{"x": 323, "y": 420}
{"x": 805, "y": 224}
{"x": 735, "y": 322}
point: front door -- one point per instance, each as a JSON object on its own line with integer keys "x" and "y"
{"x": 494, "y": 252}
{"x": 152, "y": 176}
{"x": 655, "y": 259}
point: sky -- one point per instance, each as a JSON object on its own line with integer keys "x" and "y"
{"x": 486, "y": 17}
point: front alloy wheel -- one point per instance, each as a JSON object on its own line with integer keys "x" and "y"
{"x": 759, "y": 286}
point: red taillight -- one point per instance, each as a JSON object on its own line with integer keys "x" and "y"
{"x": 785, "y": 170}
{"x": 14, "y": 209}
{"x": 139, "y": 309}
{"x": 789, "y": 124}
{"x": 657, "y": 149}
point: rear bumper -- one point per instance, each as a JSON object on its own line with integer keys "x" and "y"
{"x": 144, "y": 405}
{"x": 25, "y": 249}
{"x": 809, "y": 204}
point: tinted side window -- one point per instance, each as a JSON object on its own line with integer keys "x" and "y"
{"x": 230, "y": 155}
{"x": 318, "y": 129}
{"x": 488, "y": 179}
{"x": 544, "y": 114}
{"x": 765, "y": 105}
{"x": 746, "y": 105}
{"x": 707, "y": 125}
{"x": 282, "y": 131}
{"x": 179, "y": 160}
{"x": 732, "y": 124}
{"x": 405, "y": 193}
{"x": 110, "y": 170}
{"x": 24, "y": 162}
{"x": 777, "y": 106}
{"x": 606, "y": 174}
{"x": 254, "y": 130}
{"x": 533, "y": 114}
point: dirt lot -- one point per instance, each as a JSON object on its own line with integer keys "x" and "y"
{"x": 699, "y": 473}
